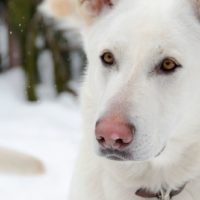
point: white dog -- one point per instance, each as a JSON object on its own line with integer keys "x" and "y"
{"x": 141, "y": 99}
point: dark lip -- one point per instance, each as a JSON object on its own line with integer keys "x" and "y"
{"x": 115, "y": 158}
{"x": 116, "y": 155}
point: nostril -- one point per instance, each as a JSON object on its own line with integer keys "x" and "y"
{"x": 101, "y": 140}
{"x": 119, "y": 142}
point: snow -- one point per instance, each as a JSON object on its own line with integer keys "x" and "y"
{"x": 49, "y": 129}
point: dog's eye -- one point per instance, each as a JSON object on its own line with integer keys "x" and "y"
{"x": 168, "y": 65}
{"x": 108, "y": 58}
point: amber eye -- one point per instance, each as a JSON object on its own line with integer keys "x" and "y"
{"x": 108, "y": 58}
{"x": 169, "y": 65}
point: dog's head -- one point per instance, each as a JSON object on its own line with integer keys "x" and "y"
{"x": 141, "y": 92}
{"x": 142, "y": 83}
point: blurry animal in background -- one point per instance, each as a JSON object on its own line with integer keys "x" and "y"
{"x": 140, "y": 99}
{"x": 16, "y": 163}
{"x": 64, "y": 10}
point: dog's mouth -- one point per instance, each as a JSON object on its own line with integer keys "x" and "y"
{"x": 116, "y": 155}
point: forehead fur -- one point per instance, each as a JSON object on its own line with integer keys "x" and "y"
{"x": 153, "y": 11}
{"x": 134, "y": 19}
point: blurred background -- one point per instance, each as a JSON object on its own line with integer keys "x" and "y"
{"x": 41, "y": 63}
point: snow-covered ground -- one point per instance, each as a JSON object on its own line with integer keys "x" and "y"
{"x": 49, "y": 130}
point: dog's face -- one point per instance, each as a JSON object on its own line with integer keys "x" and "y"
{"x": 143, "y": 76}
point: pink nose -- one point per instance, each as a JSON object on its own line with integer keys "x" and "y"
{"x": 114, "y": 133}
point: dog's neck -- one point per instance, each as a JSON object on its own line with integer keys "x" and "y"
{"x": 143, "y": 181}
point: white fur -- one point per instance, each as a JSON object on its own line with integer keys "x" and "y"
{"x": 164, "y": 108}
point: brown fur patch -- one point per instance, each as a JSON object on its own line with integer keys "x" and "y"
{"x": 62, "y": 8}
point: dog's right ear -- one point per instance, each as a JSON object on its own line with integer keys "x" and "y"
{"x": 90, "y": 10}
